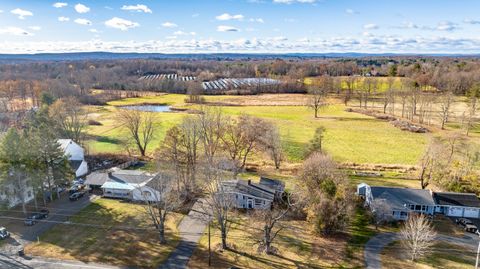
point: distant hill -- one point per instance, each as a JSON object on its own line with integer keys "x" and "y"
{"x": 77, "y": 56}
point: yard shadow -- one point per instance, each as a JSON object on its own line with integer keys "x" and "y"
{"x": 106, "y": 139}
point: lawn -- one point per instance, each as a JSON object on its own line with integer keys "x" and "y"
{"x": 443, "y": 256}
{"x": 297, "y": 248}
{"x": 110, "y": 238}
{"x": 349, "y": 137}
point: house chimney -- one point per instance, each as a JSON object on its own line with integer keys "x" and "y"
{"x": 249, "y": 182}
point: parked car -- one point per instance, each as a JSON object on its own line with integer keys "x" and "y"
{"x": 30, "y": 221}
{"x": 463, "y": 222}
{"x": 43, "y": 214}
{"x": 471, "y": 228}
{"x": 4, "y": 234}
{"x": 76, "y": 196}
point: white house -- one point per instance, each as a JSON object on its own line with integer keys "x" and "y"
{"x": 76, "y": 156}
{"x": 124, "y": 184}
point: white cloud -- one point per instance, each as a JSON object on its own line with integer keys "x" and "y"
{"x": 294, "y": 1}
{"x": 227, "y": 17}
{"x": 168, "y": 24}
{"x": 1, "y": 11}
{"x": 59, "y": 5}
{"x": 81, "y": 8}
{"x": 35, "y": 28}
{"x": 196, "y": 15}
{"x": 21, "y": 13}
{"x": 351, "y": 11}
{"x": 83, "y": 21}
{"x": 63, "y": 19}
{"x": 370, "y": 26}
{"x": 290, "y": 20}
{"x": 259, "y": 20}
{"x": 225, "y": 28}
{"x": 446, "y": 26}
{"x": 16, "y": 31}
{"x": 93, "y": 31}
{"x": 122, "y": 24}
{"x": 471, "y": 21}
{"x": 180, "y": 33}
{"x": 137, "y": 8}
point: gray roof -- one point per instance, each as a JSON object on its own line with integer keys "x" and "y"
{"x": 273, "y": 184}
{"x": 249, "y": 188}
{"x": 457, "y": 199}
{"x": 399, "y": 197}
{"x": 120, "y": 176}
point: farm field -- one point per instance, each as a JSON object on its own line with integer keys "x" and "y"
{"x": 110, "y": 238}
{"x": 349, "y": 137}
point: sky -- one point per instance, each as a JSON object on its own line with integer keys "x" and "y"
{"x": 240, "y": 26}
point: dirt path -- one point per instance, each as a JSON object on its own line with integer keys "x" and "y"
{"x": 375, "y": 245}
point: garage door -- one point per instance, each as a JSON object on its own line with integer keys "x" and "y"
{"x": 471, "y": 213}
{"x": 455, "y": 211}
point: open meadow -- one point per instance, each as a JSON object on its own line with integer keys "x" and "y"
{"x": 349, "y": 137}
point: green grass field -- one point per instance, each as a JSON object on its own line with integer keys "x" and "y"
{"x": 349, "y": 137}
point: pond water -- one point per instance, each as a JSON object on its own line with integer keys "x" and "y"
{"x": 149, "y": 108}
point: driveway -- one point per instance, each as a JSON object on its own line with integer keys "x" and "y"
{"x": 375, "y": 245}
{"x": 60, "y": 211}
{"x": 191, "y": 228}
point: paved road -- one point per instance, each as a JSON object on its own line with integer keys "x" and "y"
{"x": 191, "y": 229}
{"x": 60, "y": 211}
{"x": 15, "y": 262}
{"x": 375, "y": 245}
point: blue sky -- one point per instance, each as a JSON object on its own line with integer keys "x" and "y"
{"x": 401, "y": 26}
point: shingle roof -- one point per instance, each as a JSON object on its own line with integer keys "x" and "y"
{"x": 120, "y": 176}
{"x": 399, "y": 197}
{"x": 457, "y": 199}
{"x": 96, "y": 179}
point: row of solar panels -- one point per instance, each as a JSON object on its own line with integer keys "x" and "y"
{"x": 167, "y": 76}
{"x": 234, "y": 83}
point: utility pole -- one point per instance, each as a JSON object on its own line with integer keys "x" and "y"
{"x": 478, "y": 253}
{"x": 210, "y": 252}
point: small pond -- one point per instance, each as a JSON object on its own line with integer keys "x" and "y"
{"x": 149, "y": 108}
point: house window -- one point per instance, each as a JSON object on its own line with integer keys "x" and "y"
{"x": 412, "y": 207}
{"x": 417, "y": 207}
{"x": 147, "y": 194}
{"x": 403, "y": 214}
{"x": 423, "y": 208}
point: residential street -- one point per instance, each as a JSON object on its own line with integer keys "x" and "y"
{"x": 375, "y": 245}
{"x": 191, "y": 229}
{"x": 60, "y": 211}
{"x": 15, "y": 262}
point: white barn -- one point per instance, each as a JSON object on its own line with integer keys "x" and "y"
{"x": 76, "y": 155}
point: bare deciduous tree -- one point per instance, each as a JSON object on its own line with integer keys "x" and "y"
{"x": 140, "y": 127}
{"x": 381, "y": 211}
{"x": 318, "y": 93}
{"x": 417, "y": 235}
{"x": 446, "y": 101}
{"x": 160, "y": 202}
{"x": 212, "y": 127}
{"x": 272, "y": 144}
{"x": 70, "y": 117}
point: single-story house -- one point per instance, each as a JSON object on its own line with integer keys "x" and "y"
{"x": 76, "y": 156}
{"x": 400, "y": 201}
{"x": 454, "y": 204}
{"x": 124, "y": 184}
{"x": 247, "y": 194}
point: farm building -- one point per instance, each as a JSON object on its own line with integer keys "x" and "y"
{"x": 75, "y": 155}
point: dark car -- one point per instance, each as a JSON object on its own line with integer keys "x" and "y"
{"x": 4, "y": 234}
{"x": 76, "y": 196}
{"x": 30, "y": 221}
{"x": 43, "y": 214}
{"x": 464, "y": 222}
{"x": 76, "y": 188}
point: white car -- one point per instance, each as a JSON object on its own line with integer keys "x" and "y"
{"x": 4, "y": 234}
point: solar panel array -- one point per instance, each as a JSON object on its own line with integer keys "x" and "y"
{"x": 167, "y": 76}
{"x": 236, "y": 83}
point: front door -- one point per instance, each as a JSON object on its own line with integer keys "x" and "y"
{"x": 250, "y": 203}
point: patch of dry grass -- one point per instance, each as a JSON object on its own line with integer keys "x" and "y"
{"x": 120, "y": 234}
